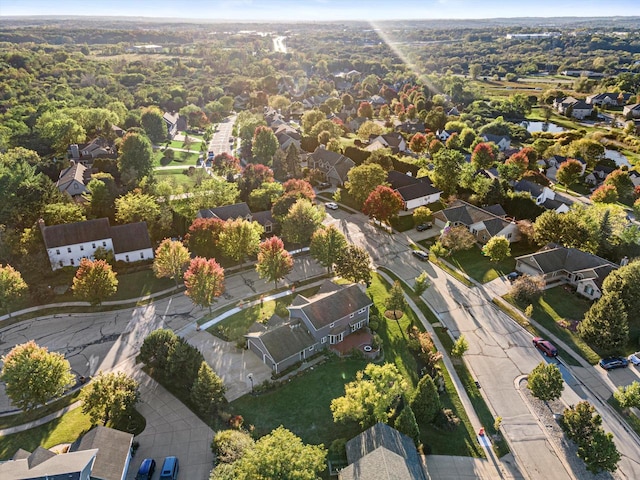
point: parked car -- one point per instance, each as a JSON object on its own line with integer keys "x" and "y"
{"x": 635, "y": 358}
{"x": 513, "y": 276}
{"x": 170, "y": 469}
{"x": 545, "y": 347}
{"x": 147, "y": 467}
{"x": 422, "y": 255}
{"x": 424, "y": 226}
{"x": 613, "y": 362}
{"x": 324, "y": 185}
{"x": 331, "y": 205}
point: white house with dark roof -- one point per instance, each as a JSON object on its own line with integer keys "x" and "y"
{"x": 573, "y": 107}
{"x": 483, "y": 224}
{"x": 415, "y": 192}
{"x": 394, "y": 141}
{"x": 558, "y": 265}
{"x": 631, "y": 111}
{"x": 544, "y": 196}
{"x": 503, "y": 142}
{"x": 69, "y": 243}
{"x": 609, "y": 98}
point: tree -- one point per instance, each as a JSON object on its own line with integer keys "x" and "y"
{"x": 457, "y": 238}
{"x": 136, "y": 157}
{"x": 230, "y": 445}
{"x": 622, "y": 182}
{"x": 240, "y": 238}
{"x": 628, "y": 396}
{"x": 605, "y": 325}
{"x": 33, "y": 375}
{"x": 203, "y": 236}
{"x": 109, "y": 397}
{"x": 483, "y": 156}
{"x": 371, "y": 397}
{"x": 224, "y": 164}
{"x": 545, "y": 382}
{"x": 406, "y": 423}
{"x": 365, "y": 110}
{"x": 354, "y": 264}
{"x": 171, "y": 260}
{"x": 154, "y": 125}
{"x": 60, "y": 130}
{"x": 383, "y": 157}
{"x": 425, "y": 402}
{"x": 526, "y": 289}
{"x": 568, "y": 229}
{"x": 383, "y": 203}
{"x": 600, "y": 454}
{"x": 363, "y": 180}
{"x": 102, "y": 194}
{"x": 262, "y": 198}
{"x": 418, "y": 143}
{"x": 12, "y": 287}
{"x": 207, "y": 393}
{"x": 569, "y": 172}
{"x": 447, "y": 165}
{"x": 281, "y": 454}
{"x": 299, "y": 187}
{"x": 253, "y": 176}
{"x": 592, "y": 151}
{"x": 137, "y": 207}
{"x": 369, "y": 128}
{"x": 460, "y": 346}
{"x": 95, "y": 281}
{"x": 625, "y": 282}
{"x": 396, "y": 301}
{"x": 421, "y": 215}
{"x": 326, "y": 246}
{"x": 264, "y": 145}
{"x": 60, "y": 213}
{"x": 204, "y": 280}
{"x": 475, "y": 69}
{"x": 302, "y": 221}
{"x": 605, "y": 194}
{"x": 497, "y": 248}
{"x": 155, "y": 348}
{"x": 274, "y": 262}
{"x": 421, "y": 283}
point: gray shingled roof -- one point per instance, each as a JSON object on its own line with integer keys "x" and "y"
{"x": 76, "y": 172}
{"x": 78, "y": 232}
{"x": 285, "y": 340}
{"x": 526, "y": 186}
{"x": 113, "y": 450}
{"x": 43, "y": 464}
{"x": 554, "y": 258}
{"x": 409, "y": 187}
{"x": 226, "y": 212}
{"x": 324, "y": 309}
{"x": 496, "y": 210}
{"x": 466, "y": 214}
{"x": 130, "y": 237}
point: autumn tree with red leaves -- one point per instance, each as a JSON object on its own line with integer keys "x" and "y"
{"x": 383, "y": 203}
{"x": 418, "y": 143}
{"x": 204, "y": 280}
{"x": 203, "y": 237}
{"x": 95, "y": 281}
{"x": 274, "y": 262}
{"x": 483, "y": 156}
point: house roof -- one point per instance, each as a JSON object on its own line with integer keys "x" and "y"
{"x": 382, "y": 452}
{"x": 553, "y": 258}
{"x": 495, "y": 138}
{"x": 264, "y": 218}
{"x": 410, "y": 187}
{"x": 284, "y": 341}
{"x": 113, "y": 451}
{"x": 226, "y": 212}
{"x": 44, "y": 464}
{"x": 534, "y": 189}
{"x": 76, "y": 172}
{"x": 496, "y": 210}
{"x": 130, "y": 237}
{"x": 171, "y": 117}
{"x": 78, "y": 232}
{"x": 467, "y": 214}
{"x": 330, "y": 305}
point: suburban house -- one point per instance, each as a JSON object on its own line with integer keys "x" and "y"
{"x": 597, "y": 176}
{"x": 613, "y": 99}
{"x": 382, "y": 452}
{"x": 240, "y": 210}
{"x": 631, "y": 111}
{"x": 544, "y": 196}
{"x": 69, "y": 243}
{"x": 559, "y": 265}
{"x": 394, "y": 141}
{"x": 410, "y": 127}
{"x": 174, "y": 123}
{"x": 101, "y": 453}
{"x": 482, "y": 223}
{"x": 443, "y": 135}
{"x": 333, "y": 165}
{"x": 502, "y": 142}
{"x": 415, "y": 192}
{"x": 553, "y": 163}
{"x": 73, "y": 180}
{"x": 99, "y": 147}
{"x": 314, "y": 323}
{"x": 635, "y": 177}
{"x": 572, "y": 107}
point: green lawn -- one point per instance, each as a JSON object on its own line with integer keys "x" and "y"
{"x": 474, "y": 264}
{"x": 180, "y": 158}
{"x": 403, "y": 223}
{"x": 195, "y": 145}
{"x": 557, "y": 305}
{"x": 175, "y": 177}
{"x": 36, "y": 413}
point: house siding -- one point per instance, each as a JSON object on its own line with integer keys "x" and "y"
{"x": 135, "y": 255}
{"x": 426, "y": 200}
{"x": 77, "y": 252}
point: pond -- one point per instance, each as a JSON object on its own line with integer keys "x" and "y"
{"x": 550, "y": 127}
{"x": 617, "y": 157}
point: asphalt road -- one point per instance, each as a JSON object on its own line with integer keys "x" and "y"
{"x": 220, "y": 141}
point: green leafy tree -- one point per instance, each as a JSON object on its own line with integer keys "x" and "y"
{"x": 95, "y": 281}
{"x": 569, "y": 229}
{"x": 497, "y": 248}
{"x": 136, "y": 157}
{"x": 425, "y": 402}
{"x": 183, "y": 364}
{"x": 33, "y": 375}
{"x": 354, "y": 264}
{"x": 438, "y": 250}
{"x": 447, "y": 166}
{"x": 154, "y": 125}
{"x": 600, "y": 454}
{"x": 592, "y": 151}
{"x": 622, "y": 182}
{"x": 605, "y": 194}
{"x": 421, "y": 215}
{"x": 406, "y": 423}
{"x": 171, "y": 260}
{"x": 605, "y": 325}
{"x": 136, "y": 207}
{"x": 155, "y": 348}
{"x": 625, "y": 282}
{"x": 265, "y": 144}
{"x": 363, "y": 180}
{"x": 60, "y": 130}
{"x": 326, "y": 246}
{"x": 60, "y": 213}
{"x": 460, "y": 346}
{"x": 545, "y": 382}
{"x": 302, "y": 221}
{"x": 421, "y": 283}
{"x": 12, "y": 287}
{"x": 230, "y": 445}
{"x": 371, "y": 397}
{"x": 109, "y": 397}
{"x": 204, "y": 280}
{"x": 207, "y": 393}
{"x": 240, "y": 238}
{"x": 396, "y": 300}
{"x": 383, "y": 203}
{"x": 102, "y": 195}
{"x": 456, "y": 239}
{"x": 569, "y": 172}
{"x": 628, "y": 396}
{"x": 274, "y": 262}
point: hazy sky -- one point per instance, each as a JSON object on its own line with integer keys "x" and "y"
{"x": 293, "y": 10}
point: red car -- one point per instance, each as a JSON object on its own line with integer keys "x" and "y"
{"x": 545, "y": 347}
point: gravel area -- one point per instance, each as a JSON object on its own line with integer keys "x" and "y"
{"x": 555, "y": 434}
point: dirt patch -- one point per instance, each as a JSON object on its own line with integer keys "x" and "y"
{"x": 394, "y": 314}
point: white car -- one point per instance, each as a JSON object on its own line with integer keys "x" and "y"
{"x": 331, "y": 205}
{"x": 635, "y": 358}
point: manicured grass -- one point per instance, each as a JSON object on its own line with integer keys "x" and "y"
{"x": 65, "y": 429}
{"x": 474, "y": 264}
{"x": 195, "y": 145}
{"x": 179, "y": 158}
{"x": 175, "y": 177}
{"x": 303, "y": 404}
{"x": 35, "y": 414}
{"x": 139, "y": 284}
{"x": 558, "y": 305}
{"x": 403, "y": 223}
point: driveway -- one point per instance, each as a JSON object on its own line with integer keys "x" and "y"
{"x": 220, "y": 141}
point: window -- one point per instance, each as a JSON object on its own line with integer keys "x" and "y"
{"x": 267, "y": 228}
{"x": 588, "y": 289}
{"x": 104, "y": 244}
{"x": 57, "y": 251}
{"x": 68, "y": 249}
{"x": 311, "y": 348}
{"x": 362, "y": 310}
{"x": 351, "y": 316}
{"x": 60, "y": 263}
{"x": 81, "y": 248}
{"x": 508, "y": 236}
{"x": 72, "y": 262}
{"x": 126, "y": 258}
{"x": 323, "y": 340}
{"x": 141, "y": 254}
{"x": 332, "y": 325}
{"x": 93, "y": 245}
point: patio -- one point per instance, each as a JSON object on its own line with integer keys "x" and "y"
{"x": 361, "y": 340}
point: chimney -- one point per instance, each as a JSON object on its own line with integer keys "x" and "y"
{"x": 624, "y": 262}
{"x": 75, "y": 151}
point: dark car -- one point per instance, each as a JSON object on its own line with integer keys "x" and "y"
{"x": 545, "y": 347}
{"x": 424, "y": 256}
{"x": 513, "y": 276}
{"x": 147, "y": 467}
{"x": 424, "y": 226}
{"x": 614, "y": 362}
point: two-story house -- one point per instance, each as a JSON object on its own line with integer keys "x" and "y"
{"x": 415, "y": 192}
{"x": 240, "y": 210}
{"x": 333, "y": 165}
{"x": 315, "y": 323}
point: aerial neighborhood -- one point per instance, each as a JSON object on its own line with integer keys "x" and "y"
{"x": 319, "y": 251}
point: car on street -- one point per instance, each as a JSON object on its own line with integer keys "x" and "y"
{"x": 545, "y": 347}
{"x": 147, "y": 467}
{"x": 331, "y": 205}
{"x": 424, "y": 226}
{"x": 635, "y": 358}
{"x": 610, "y": 363}
{"x": 513, "y": 276}
{"x": 422, "y": 255}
